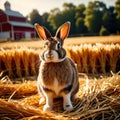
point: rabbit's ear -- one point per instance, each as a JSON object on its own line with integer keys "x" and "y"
{"x": 42, "y": 32}
{"x": 63, "y": 31}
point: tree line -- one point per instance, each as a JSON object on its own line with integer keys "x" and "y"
{"x": 94, "y": 19}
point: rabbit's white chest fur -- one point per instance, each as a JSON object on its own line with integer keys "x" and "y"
{"x": 56, "y": 86}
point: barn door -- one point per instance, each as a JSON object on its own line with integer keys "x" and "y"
{"x": 27, "y": 35}
{"x": 4, "y": 35}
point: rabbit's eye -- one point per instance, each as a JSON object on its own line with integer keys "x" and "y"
{"x": 58, "y": 45}
{"x": 46, "y": 44}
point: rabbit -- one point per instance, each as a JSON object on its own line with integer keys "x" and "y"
{"x": 58, "y": 76}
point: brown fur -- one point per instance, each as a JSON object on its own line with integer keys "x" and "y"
{"x": 65, "y": 72}
{"x": 58, "y": 76}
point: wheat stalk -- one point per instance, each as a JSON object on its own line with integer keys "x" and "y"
{"x": 97, "y": 58}
{"x": 17, "y": 60}
{"x": 93, "y": 53}
{"x": 7, "y": 60}
{"x": 114, "y": 56}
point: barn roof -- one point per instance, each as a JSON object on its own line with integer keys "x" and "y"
{"x": 21, "y": 24}
{"x": 13, "y": 13}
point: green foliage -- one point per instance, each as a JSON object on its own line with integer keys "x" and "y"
{"x": 109, "y": 20}
{"x": 118, "y": 26}
{"x": 80, "y": 26}
{"x": 103, "y": 31}
{"x": 80, "y": 11}
{"x": 55, "y": 19}
{"x": 117, "y": 8}
{"x": 69, "y": 15}
{"x": 84, "y": 19}
{"x": 68, "y": 6}
{"x": 35, "y": 17}
{"x": 93, "y": 16}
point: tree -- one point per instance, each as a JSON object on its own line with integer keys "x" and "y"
{"x": 44, "y": 18}
{"x": 80, "y": 11}
{"x": 103, "y": 31}
{"x": 80, "y": 27}
{"x": 68, "y": 6}
{"x": 46, "y": 22}
{"x": 117, "y": 9}
{"x": 109, "y": 20}
{"x": 57, "y": 17}
{"x": 68, "y": 14}
{"x": 35, "y": 17}
{"x": 93, "y": 16}
{"x": 79, "y": 16}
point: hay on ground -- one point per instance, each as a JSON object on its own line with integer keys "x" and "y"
{"x": 97, "y": 99}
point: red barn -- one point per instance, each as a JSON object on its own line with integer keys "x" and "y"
{"x": 13, "y": 25}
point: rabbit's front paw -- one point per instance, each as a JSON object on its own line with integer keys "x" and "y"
{"x": 41, "y": 100}
{"x": 68, "y": 107}
{"x": 67, "y": 103}
{"x": 47, "y": 108}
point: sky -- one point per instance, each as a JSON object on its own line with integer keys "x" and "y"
{"x": 26, "y": 6}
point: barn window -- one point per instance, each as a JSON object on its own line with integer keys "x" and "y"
{"x": 17, "y": 36}
{"x": 23, "y": 35}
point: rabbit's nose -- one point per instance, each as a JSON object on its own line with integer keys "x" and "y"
{"x": 49, "y": 54}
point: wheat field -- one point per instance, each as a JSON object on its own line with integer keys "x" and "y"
{"x": 37, "y": 43}
{"x": 98, "y": 63}
{"x": 91, "y": 59}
